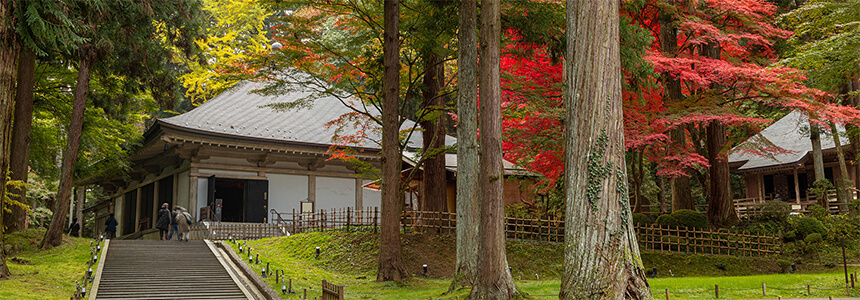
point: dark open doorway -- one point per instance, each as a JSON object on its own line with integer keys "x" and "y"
{"x": 242, "y": 200}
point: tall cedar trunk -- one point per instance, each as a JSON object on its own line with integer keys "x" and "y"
{"x": 8, "y": 74}
{"x": 493, "y": 279}
{"x": 601, "y": 257}
{"x": 853, "y": 135}
{"x": 20, "y": 154}
{"x": 817, "y": 158}
{"x": 638, "y": 169}
{"x": 390, "y": 262}
{"x": 721, "y": 209}
{"x": 54, "y": 235}
{"x": 843, "y": 184}
{"x": 434, "y": 191}
{"x": 682, "y": 196}
{"x": 468, "y": 217}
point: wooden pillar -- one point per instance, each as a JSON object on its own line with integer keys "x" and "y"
{"x": 192, "y": 196}
{"x": 137, "y": 209}
{"x": 359, "y": 194}
{"x": 760, "y": 179}
{"x": 312, "y": 189}
{"x": 796, "y": 186}
{"x": 156, "y": 205}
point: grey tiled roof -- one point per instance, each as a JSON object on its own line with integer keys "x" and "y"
{"x": 790, "y": 133}
{"x": 241, "y": 113}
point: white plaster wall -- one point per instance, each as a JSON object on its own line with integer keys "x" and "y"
{"x": 371, "y": 198}
{"x": 286, "y": 192}
{"x": 182, "y": 189}
{"x": 202, "y": 194}
{"x": 335, "y": 193}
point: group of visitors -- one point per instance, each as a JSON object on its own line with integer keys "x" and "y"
{"x": 176, "y": 222}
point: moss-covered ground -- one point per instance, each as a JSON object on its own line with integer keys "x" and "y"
{"x": 47, "y": 274}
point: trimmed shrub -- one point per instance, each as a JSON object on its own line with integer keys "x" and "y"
{"x": 775, "y": 211}
{"x": 813, "y": 238}
{"x": 641, "y": 219}
{"x": 667, "y": 220}
{"x": 807, "y": 226}
{"x": 854, "y": 207}
{"x": 690, "y": 218}
{"x": 784, "y": 265}
{"x": 789, "y": 236}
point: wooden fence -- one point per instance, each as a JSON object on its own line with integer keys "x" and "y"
{"x": 706, "y": 241}
{"x": 331, "y": 291}
{"x": 241, "y": 231}
{"x": 674, "y": 239}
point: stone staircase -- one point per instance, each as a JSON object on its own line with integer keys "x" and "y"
{"x": 152, "y": 269}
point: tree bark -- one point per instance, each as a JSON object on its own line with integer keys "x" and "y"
{"x": 721, "y": 208}
{"x": 601, "y": 259}
{"x": 434, "y": 192}
{"x": 390, "y": 263}
{"x": 854, "y": 139}
{"x": 493, "y": 279}
{"x": 468, "y": 197}
{"x": 681, "y": 193}
{"x": 637, "y": 167}
{"x": 20, "y": 153}
{"x": 54, "y": 235}
{"x": 8, "y": 76}
{"x": 841, "y": 185}
{"x": 817, "y": 160}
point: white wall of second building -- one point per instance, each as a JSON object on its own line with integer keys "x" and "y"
{"x": 333, "y": 192}
{"x": 286, "y": 192}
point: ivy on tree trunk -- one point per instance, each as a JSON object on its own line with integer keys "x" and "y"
{"x": 601, "y": 259}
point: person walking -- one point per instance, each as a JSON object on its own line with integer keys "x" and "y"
{"x": 163, "y": 221}
{"x": 110, "y": 227}
{"x": 183, "y": 220}
{"x": 173, "y": 224}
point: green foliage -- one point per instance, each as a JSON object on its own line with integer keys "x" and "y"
{"x": 774, "y": 211}
{"x": 667, "y": 220}
{"x": 641, "y": 219}
{"x": 789, "y": 236}
{"x": 805, "y": 226}
{"x": 813, "y": 238}
{"x": 839, "y": 227}
{"x": 820, "y": 213}
{"x": 854, "y": 207}
{"x": 820, "y": 188}
{"x": 784, "y": 265}
{"x": 690, "y": 218}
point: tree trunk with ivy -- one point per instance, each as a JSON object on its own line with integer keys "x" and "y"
{"x": 467, "y": 148}
{"x": 434, "y": 187}
{"x": 818, "y": 165}
{"x": 721, "y": 208}
{"x": 390, "y": 267}
{"x": 601, "y": 259}
{"x": 493, "y": 279}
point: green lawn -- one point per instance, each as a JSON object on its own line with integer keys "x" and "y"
{"x": 343, "y": 263}
{"x": 44, "y": 274}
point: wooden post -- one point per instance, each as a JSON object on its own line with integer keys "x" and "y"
{"x": 348, "y": 218}
{"x": 808, "y": 290}
{"x": 294, "y": 221}
{"x": 763, "y": 289}
{"x": 717, "y": 291}
{"x": 667, "y": 294}
{"x": 375, "y": 214}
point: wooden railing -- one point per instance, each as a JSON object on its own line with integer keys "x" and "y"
{"x": 351, "y": 219}
{"x": 706, "y": 241}
{"x": 331, "y": 291}
{"x": 241, "y": 231}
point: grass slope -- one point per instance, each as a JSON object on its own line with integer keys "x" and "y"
{"x": 43, "y": 274}
{"x": 350, "y": 259}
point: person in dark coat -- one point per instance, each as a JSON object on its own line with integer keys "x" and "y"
{"x": 163, "y": 221}
{"x": 110, "y": 227}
